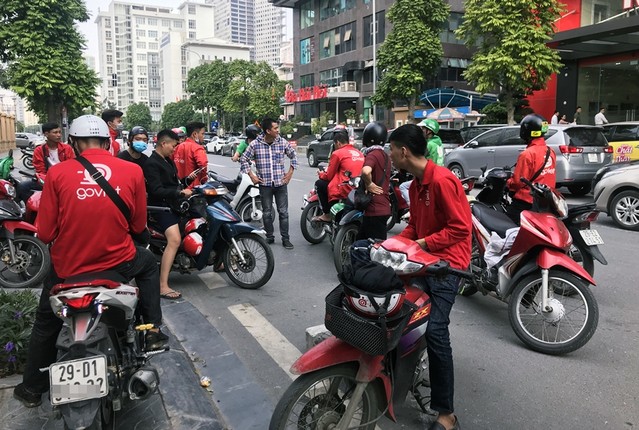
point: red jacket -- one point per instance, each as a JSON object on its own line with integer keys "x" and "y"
{"x": 88, "y": 231}
{"x": 41, "y": 153}
{"x": 528, "y": 163}
{"x": 440, "y": 214}
{"x": 343, "y": 159}
{"x": 114, "y": 149}
{"x": 189, "y": 156}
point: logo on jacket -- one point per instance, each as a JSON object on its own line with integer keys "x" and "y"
{"x": 102, "y": 168}
{"x": 95, "y": 190}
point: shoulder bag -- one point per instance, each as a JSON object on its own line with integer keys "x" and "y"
{"x": 362, "y": 198}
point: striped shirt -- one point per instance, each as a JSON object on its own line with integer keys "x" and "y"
{"x": 269, "y": 160}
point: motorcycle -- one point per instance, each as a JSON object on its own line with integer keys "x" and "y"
{"x": 550, "y": 307}
{"x": 27, "y": 157}
{"x": 343, "y": 228}
{"x": 584, "y": 249}
{"x": 399, "y": 207}
{"x": 213, "y": 234}
{"x": 370, "y": 363}
{"x": 246, "y": 197}
{"x": 102, "y": 361}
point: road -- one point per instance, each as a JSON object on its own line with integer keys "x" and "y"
{"x": 500, "y": 384}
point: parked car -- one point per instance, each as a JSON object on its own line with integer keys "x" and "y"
{"x": 231, "y": 145}
{"x": 624, "y": 138}
{"x": 470, "y": 132}
{"x": 581, "y": 151}
{"x": 24, "y": 140}
{"x": 214, "y": 146}
{"x": 451, "y": 138}
{"x": 617, "y": 194}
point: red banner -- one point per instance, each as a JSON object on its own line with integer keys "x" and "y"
{"x": 305, "y": 94}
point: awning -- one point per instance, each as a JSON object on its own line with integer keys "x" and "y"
{"x": 450, "y": 97}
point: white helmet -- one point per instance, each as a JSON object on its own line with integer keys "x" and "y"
{"x": 89, "y": 126}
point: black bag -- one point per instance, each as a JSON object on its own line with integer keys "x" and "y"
{"x": 361, "y": 197}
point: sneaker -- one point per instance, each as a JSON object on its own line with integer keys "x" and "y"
{"x": 287, "y": 244}
{"x": 26, "y": 397}
{"x": 156, "y": 340}
{"x": 270, "y": 240}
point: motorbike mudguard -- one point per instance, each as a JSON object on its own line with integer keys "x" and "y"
{"x": 80, "y": 414}
{"x": 333, "y": 351}
{"x": 352, "y": 216}
{"x": 12, "y": 226}
{"x": 593, "y": 250}
{"x": 229, "y": 231}
{"x": 549, "y": 258}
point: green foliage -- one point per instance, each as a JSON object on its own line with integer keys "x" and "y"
{"x": 17, "y": 314}
{"x": 510, "y": 37}
{"x": 19, "y": 126}
{"x": 351, "y": 114}
{"x": 286, "y": 127}
{"x": 138, "y": 114}
{"x": 208, "y": 84}
{"x": 177, "y": 114}
{"x": 411, "y": 52}
{"x": 44, "y": 51}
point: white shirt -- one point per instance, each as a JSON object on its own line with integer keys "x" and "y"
{"x": 53, "y": 157}
{"x": 600, "y": 119}
{"x": 554, "y": 119}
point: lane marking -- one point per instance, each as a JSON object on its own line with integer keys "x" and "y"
{"x": 212, "y": 280}
{"x": 270, "y": 339}
{"x": 298, "y": 180}
{"x": 216, "y": 165}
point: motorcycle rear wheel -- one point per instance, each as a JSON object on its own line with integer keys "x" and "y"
{"x": 31, "y": 264}
{"x": 258, "y": 266}
{"x": 245, "y": 209}
{"x": 318, "y": 399}
{"x": 568, "y": 327}
{"x": 346, "y": 236}
{"x": 28, "y": 163}
{"x": 313, "y": 232}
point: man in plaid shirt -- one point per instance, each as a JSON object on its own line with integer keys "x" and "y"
{"x": 268, "y": 151}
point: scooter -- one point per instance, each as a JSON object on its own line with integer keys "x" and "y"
{"x": 399, "y": 207}
{"x": 376, "y": 355}
{"x": 102, "y": 361}
{"x": 27, "y": 157}
{"x": 550, "y": 307}
{"x": 214, "y": 234}
{"x": 246, "y": 197}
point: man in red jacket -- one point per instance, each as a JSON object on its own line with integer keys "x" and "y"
{"x": 113, "y": 118}
{"x": 330, "y": 185}
{"x": 190, "y": 155}
{"x": 70, "y": 199}
{"x": 52, "y": 152}
{"x": 537, "y": 164}
{"x": 440, "y": 222}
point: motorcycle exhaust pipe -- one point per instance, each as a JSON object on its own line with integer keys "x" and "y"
{"x": 143, "y": 383}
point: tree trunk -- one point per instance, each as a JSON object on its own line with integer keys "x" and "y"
{"x": 510, "y": 107}
{"x": 54, "y": 112}
{"x": 410, "y": 119}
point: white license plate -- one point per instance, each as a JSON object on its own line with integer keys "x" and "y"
{"x": 591, "y": 237}
{"x": 76, "y": 380}
{"x": 593, "y": 158}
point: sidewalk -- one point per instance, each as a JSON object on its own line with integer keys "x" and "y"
{"x": 234, "y": 401}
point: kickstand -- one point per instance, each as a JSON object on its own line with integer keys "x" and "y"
{"x": 423, "y": 400}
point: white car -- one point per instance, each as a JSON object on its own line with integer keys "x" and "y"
{"x": 214, "y": 146}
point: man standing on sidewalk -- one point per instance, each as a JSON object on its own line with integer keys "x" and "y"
{"x": 268, "y": 151}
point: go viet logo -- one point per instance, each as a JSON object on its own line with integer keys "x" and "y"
{"x": 95, "y": 190}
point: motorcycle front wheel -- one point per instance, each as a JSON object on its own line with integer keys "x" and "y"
{"x": 567, "y": 327}
{"x": 28, "y": 163}
{"x": 30, "y": 265}
{"x": 317, "y": 400}
{"x": 257, "y": 266}
{"x": 245, "y": 210}
{"x": 346, "y": 236}
{"x": 312, "y": 231}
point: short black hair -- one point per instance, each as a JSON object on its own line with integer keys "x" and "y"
{"x": 411, "y": 137}
{"x": 340, "y": 136}
{"x": 111, "y": 114}
{"x": 47, "y": 127}
{"x": 167, "y": 134}
{"x": 267, "y": 124}
{"x": 578, "y": 107}
{"x": 194, "y": 126}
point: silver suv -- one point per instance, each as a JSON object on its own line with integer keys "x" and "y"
{"x": 581, "y": 151}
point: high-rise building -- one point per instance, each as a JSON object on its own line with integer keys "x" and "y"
{"x": 270, "y": 23}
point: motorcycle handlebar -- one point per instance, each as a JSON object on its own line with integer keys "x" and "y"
{"x": 31, "y": 174}
{"x": 442, "y": 268}
{"x": 158, "y": 209}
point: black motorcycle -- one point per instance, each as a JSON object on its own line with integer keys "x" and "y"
{"x": 27, "y": 157}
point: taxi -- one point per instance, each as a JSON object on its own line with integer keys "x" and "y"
{"x": 624, "y": 138}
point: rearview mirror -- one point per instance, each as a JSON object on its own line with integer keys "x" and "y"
{"x": 473, "y": 144}
{"x": 317, "y": 136}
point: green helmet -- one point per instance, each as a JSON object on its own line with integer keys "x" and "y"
{"x": 430, "y": 124}
{"x": 183, "y": 129}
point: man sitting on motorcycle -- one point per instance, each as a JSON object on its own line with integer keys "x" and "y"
{"x": 190, "y": 155}
{"x": 70, "y": 200}
{"x": 332, "y": 185}
{"x": 251, "y": 132}
{"x": 441, "y": 224}
{"x": 537, "y": 164}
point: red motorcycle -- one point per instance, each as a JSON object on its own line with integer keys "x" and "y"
{"x": 374, "y": 358}
{"x": 550, "y": 307}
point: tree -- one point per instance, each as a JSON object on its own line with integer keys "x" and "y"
{"x": 266, "y": 91}
{"x": 510, "y": 37}
{"x": 44, "y": 51}
{"x": 177, "y": 114}
{"x": 19, "y": 126}
{"x": 138, "y": 114}
{"x": 238, "y": 95}
{"x": 208, "y": 85}
{"x": 411, "y": 52}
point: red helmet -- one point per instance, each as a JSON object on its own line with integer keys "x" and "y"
{"x": 193, "y": 225}
{"x": 192, "y": 244}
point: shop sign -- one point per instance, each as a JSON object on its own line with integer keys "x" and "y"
{"x": 630, "y": 4}
{"x": 305, "y": 94}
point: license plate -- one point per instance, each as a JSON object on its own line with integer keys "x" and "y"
{"x": 76, "y": 380}
{"x": 591, "y": 237}
{"x": 593, "y": 158}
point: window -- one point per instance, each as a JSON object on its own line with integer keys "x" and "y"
{"x": 306, "y": 50}
{"x": 329, "y": 8}
{"x": 192, "y": 24}
{"x": 152, "y": 21}
{"x": 183, "y": 85}
{"x": 184, "y": 72}
{"x": 166, "y": 23}
{"x": 307, "y": 14}
{"x": 142, "y": 81}
{"x": 107, "y": 22}
{"x": 142, "y": 70}
{"x": 153, "y": 33}
{"x": 381, "y": 28}
{"x": 154, "y": 82}
{"x": 331, "y": 77}
{"x": 183, "y": 55}
{"x": 307, "y": 81}
{"x": 139, "y": 20}
{"x": 447, "y": 35}
{"x": 141, "y": 45}
{"x": 111, "y": 94}
{"x": 153, "y": 46}
{"x": 109, "y": 46}
{"x": 107, "y": 34}
{"x": 177, "y": 24}
{"x": 154, "y": 104}
{"x": 191, "y": 34}
{"x": 345, "y": 38}
{"x": 110, "y": 70}
{"x": 140, "y": 33}
{"x": 141, "y": 57}
{"x": 109, "y": 58}
{"x": 191, "y": 9}
{"x": 625, "y": 133}
{"x": 327, "y": 44}
{"x": 143, "y": 94}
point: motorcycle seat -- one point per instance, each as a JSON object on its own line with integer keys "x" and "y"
{"x": 107, "y": 278}
{"x": 574, "y": 210}
{"x": 491, "y": 219}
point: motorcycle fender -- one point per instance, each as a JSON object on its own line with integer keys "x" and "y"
{"x": 12, "y": 226}
{"x": 549, "y": 258}
{"x": 229, "y": 231}
{"x": 592, "y": 249}
{"x": 80, "y": 414}
{"x": 254, "y": 192}
{"x": 596, "y": 254}
{"x": 352, "y": 216}
{"x": 333, "y": 351}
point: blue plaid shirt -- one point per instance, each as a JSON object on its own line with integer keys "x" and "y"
{"x": 269, "y": 160}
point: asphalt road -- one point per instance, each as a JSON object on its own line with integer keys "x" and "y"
{"x": 500, "y": 384}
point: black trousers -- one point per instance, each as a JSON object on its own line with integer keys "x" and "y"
{"x": 47, "y": 326}
{"x": 321, "y": 186}
{"x": 373, "y": 227}
{"x": 516, "y": 208}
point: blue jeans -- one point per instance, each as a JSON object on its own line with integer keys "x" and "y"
{"x": 281, "y": 200}
{"x": 442, "y": 292}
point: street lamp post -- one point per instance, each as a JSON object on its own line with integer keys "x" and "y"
{"x": 374, "y": 58}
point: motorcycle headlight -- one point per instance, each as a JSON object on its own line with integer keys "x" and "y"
{"x": 10, "y": 189}
{"x": 395, "y": 260}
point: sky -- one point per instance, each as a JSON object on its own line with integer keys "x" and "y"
{"x": 90, "y": 28}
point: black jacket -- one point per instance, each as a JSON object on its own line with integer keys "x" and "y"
{"x": 162, "y": 184}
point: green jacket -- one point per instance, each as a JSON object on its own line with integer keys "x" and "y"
{"x": 241, "y": 147}
{"x": 435, "y": 150}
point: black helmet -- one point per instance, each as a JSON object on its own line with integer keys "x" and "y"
{"x": 137, "y": 130}
{"x": 374, "y": 134}
{"x": 252, "y": 131}
{"x": 532, "y": 126}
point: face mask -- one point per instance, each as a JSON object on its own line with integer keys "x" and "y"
{"x": 139, "y": 145}
{"x": 119, "y": 127}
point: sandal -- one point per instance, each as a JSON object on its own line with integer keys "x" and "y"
{"x": 171, "y": 295}
{"x": 319, "y": 219}
{"x": 218, "y": 267}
